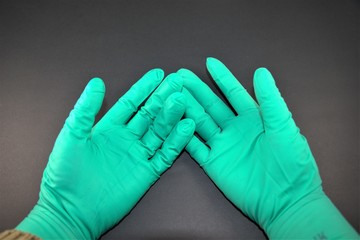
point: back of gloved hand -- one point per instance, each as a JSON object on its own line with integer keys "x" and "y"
{"x": 258, "y": 158}
{"x": 95, "y": 175}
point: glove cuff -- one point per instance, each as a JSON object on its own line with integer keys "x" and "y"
{"x": 312, "y": 217}
{"x": 48, "y": 224}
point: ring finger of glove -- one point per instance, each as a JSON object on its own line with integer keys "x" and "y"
{"x": 168, "y": 117}
{"x": 140, "y": 123}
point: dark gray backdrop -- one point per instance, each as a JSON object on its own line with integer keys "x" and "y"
{"x": 50, "y": 49}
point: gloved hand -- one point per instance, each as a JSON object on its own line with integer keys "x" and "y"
{"x": 95, "y": 175}
{"x": 258, "y": 158}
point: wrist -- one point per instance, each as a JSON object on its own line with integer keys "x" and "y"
{"x": 14, "y": 234}
{"x": 312, "y": 217}
{"x": 46, "y": 223}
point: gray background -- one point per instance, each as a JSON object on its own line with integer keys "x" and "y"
{"x": 50, "y": 49}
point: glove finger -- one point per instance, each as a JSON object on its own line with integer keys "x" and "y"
{"x": 168, "y": 117}
{"x": 173, "y": 146}
{"x": 125, "y": 107}
{"x": 276, "y": 115}
{"x": 140, "y": 123}
{"x": 81, "y": 118}
{"x": 212, "y": 104}
{"x": 205, "y": 125}
{"x": 198, "y": 150}
{"x": 235, "y": 93}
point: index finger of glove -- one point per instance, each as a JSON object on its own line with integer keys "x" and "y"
{"x": 125, "y": 107}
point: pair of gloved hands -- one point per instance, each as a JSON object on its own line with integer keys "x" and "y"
{"x": 255, "y": 155}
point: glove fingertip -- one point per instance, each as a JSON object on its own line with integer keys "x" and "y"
{"x": 96, "y": 84}
{"x": 156, "y": 75}
{"x": 159, "y": 73}
{"x": 263, "y": 81}
{"x": 177, "y": 97}
{"x": 186, "y": 127}
{"x": 211, "y": 61}
{"x": 184, "y": 72}
{"x": 174, "y": 77}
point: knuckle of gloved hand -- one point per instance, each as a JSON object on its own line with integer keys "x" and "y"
{"x": 145, "y": 149}
{"x": 128, "y": 103}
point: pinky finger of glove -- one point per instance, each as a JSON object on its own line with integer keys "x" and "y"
{"x": 173, "y": 145}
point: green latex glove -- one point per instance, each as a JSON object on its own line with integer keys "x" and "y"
{"x": 258, "y": 158}
{"x": 95, "y": 175}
